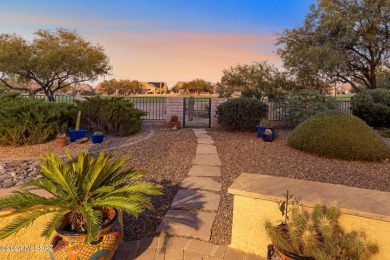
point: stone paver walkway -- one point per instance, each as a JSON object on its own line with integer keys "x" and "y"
{"x": 186, "y": 228}
{"x": 195, "y": 206}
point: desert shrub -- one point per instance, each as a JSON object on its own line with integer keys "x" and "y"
{"x": 372, "y": 106}
{"x": 116, "y": 116}
{"x": 26, "y": 121}
{"x": 241, "y": 114}
{"x": 335, "y": 134}
{"x": 303, "y": 104}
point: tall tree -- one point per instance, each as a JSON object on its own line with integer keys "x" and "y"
{"x": 198, "y": 86}
{"x": 121, "y": 87}
{"x": 341, "y": 40}
{"x": 259, "y": 78}
{"x": 53, "y": 60}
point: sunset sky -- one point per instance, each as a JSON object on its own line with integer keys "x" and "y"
{"x": 165, "y": 40}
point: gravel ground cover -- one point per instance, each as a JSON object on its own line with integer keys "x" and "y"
{"x": 244, "y": 152}
{"x": 31, "y": 151}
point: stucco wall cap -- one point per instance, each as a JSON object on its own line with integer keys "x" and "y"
{"x": 354, "y": 201}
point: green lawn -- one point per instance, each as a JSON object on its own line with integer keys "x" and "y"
{"x": 345, "y": 97}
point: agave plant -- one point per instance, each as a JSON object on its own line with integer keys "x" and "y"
{"x": 81, "y": 187}
{"x": 318, "y": 234}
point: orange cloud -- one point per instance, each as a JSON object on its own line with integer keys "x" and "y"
{"x": 174, "y": 56}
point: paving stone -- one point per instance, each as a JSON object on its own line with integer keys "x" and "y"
{"x": 199, "y": 130}
{"x": 146, "y": 254}
{"x": 232, "y": 254}
{"x": 160, "y": 254}
{"x": 177, "y": 242}
{"x": 187, "y": 223}
{"x": 192, "y": 256}
{"x": 196, "y": 200}
{"x": 174, "y": 253}
{"x": 200, "y": 183}
{"x": 219, "y": 251}
{"x": 202, "y": 135}
{"x": 206, "y": 149}
{"x": 207, "y": 159}
{"x": 205, "y": 170}
{"x": 200, "y": 247}
{"x": 205, "y": 140}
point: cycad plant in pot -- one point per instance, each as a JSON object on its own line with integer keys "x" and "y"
{"x": 86, "y": 194}
{"x": 316, "y": 234}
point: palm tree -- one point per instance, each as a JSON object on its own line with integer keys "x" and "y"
{"x": 79, "y": 188}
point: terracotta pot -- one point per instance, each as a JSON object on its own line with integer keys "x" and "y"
{"x": 71, "y": 245}
{"x": 174, "y": 124}
{"x": 61, "y": 142}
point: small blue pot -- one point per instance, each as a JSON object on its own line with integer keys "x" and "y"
{"x": 261, "y": 129}
{"x": 77, "y": 134}
{"x": 268, "y": 137}
{"x": 97, "y": 138}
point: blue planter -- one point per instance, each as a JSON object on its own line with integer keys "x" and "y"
{"x": 268, "y": 137}
{"x": 97, "y": 138}
{"x": 261, "y": 129}
{"x": 77, "y": 134}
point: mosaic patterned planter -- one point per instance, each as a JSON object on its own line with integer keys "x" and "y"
{"x": 71, "y": 245}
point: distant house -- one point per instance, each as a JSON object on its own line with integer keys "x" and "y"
{"x": 160, "y": 87}
{"x": 341, "y": 89}
{"x": 148, "y": 88}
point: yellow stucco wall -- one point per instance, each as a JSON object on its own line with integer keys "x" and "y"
{"x": 15, "y": 247}
{"x": 250, "y": 214}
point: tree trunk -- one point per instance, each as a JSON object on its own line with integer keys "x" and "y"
{"x": 49, "y": 95}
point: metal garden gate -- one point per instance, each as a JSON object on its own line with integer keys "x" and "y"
{"x": 197, "y": 112}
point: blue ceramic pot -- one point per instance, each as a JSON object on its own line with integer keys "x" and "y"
{"x": 97, "y": 138}
{"x": 261, "y": 129}
{"x": 77, "y": 134}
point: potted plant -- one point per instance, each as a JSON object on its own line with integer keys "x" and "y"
{"x": 97, "y": 137}
{"x": 87, "y": 193}
{"x": 174, "y": 123}
{"x": 315, "y": 235}
{"x": 268, "y": 135}
{"x": 77, "y": 133}
{"x": 264, "y": 125}
{"x": 61, "y": 140}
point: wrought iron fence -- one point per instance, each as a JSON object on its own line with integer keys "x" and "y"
{"x": 277, "y": 109}
{"x": 154, "y": 106}
{"x": 58, "y": 98}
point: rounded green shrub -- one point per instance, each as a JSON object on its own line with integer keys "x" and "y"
{"x": 116, "y": 115}
{"x": 241, "y": 114}
{"x": 26, "y": 121}
{"x": 334, "y": 134}
{"x": 373, "y": 107}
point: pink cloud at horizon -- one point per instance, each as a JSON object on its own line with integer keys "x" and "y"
{"x": 182, "y": 56}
